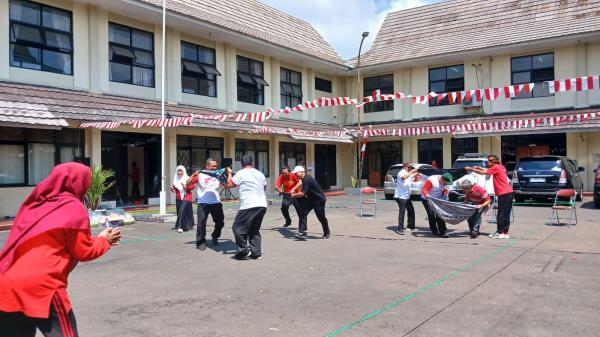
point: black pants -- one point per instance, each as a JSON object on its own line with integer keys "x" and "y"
{"x": 59, "y": 324}
{"x": 177, "y": 206}
{"x": 246, "y": 229}
{"x": 405, "y": 205}
{"x": 503, "y": 216}
{"x": 285, "y": 206}
{"x": 319, "y": 208}
{"x": 474, "y": 220}
{"x": 437, "y": 225}
{"x": 216, "y": 211}
{"x": 185, "y": 216}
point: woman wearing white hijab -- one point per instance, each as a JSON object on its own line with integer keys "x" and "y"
{"x": 183, "y": 196}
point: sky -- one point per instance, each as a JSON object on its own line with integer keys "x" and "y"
{"x": 341, "y": 22}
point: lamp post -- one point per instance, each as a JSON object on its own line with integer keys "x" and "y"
{"x": 163, "y": 194}
{"x": 359, "y": 145}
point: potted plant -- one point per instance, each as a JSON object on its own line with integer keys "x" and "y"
{"x": 354, "y": 190}
{"x": 98, "y": 186}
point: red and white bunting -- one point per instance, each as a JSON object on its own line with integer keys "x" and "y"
{"x": 574, "y": 84}
{"x": 100, "y": 125}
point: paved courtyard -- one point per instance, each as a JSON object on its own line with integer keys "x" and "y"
{"x": 366, "y": 280}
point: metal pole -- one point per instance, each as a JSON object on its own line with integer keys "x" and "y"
{"x": 359, "y": 159}
{"x": 163, "y": 195}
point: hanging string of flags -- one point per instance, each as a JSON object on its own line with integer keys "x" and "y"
{"x": 300, "y": 132}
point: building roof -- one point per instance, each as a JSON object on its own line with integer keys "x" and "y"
{"x": 27, "y": 114}
{"x": 83, "y": 106}
{"x": 258, "y": 20}
{"x": 469, "y": 25}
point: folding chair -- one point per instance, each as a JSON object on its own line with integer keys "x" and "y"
{"x": 564, "y": 200}
{"x": 493, "y": 214}
{"x": 368, "y": 196}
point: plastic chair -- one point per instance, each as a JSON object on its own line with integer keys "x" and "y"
{"x": 368, "y": 196}
{"x": 494, "y": 213}
{"x": 564, "y": 200}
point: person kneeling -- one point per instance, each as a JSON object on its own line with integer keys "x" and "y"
{"x": 476, "y": 195}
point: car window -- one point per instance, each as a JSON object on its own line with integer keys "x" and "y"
{"x": 426, "y": 167}
{"x": 540, "y": 165}
{"x": 464, "y": 163}
{"x": 393, "y": 171}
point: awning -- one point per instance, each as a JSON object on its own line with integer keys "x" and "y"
{"x": 18, "y": 114}
{"x": 323, "y": 139}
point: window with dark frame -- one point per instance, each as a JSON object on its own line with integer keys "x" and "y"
{"x": 291, "y": 88}
{"x": 192, "y": 151}
{"x": 250, "y": 81}
{"x": 292, "y": 154}
{"x": 322, "y": 85}
{"x": 257, "y": 149}
{"x": 28, "y": 155}
{"x": 131, "y": 55}
{"x": 431, "y": 151}
{"x": 460, "y": 146}
{"x": 385, "y": 84}
{"x": 533, "y": 69}
{"x": 198, "y": 70}
{"x": 41, "y": 37}
{"x": 444, "y": 80}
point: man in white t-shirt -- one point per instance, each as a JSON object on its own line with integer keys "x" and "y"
{"x": 402, "y": 196}
{"x": 251, "y": 185}
{"x": 209, "y": 203}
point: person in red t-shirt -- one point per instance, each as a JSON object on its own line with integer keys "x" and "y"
{"x": 286, "y": 185}
{"x": 504, "y": 193}
{"x": 477, "y": 195}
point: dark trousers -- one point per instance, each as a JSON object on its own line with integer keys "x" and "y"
{"x": 437, "y": 225}
{"x": 185, "y": 216}
{"x": 474, "y": 220}
{"x": 319, "y": 208}
{"x": 216, "y": 211}
{"x": 246, "y": 229}
{"x": 405, "y": 205}
{"x": 59, "y": 324}
{"x": 285, "y": 207}
{"x": 503, "y": 216}
{"x": 135, "y": 191}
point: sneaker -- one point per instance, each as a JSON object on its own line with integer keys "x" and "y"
{"x": 287, "y": 225}
{"x": 410, "y": 229}
{"x": 215, "y": 242}
{"x": 243, "y": 255}
{"x": 256, "y": 257}
{"x": 493, "y": 235}
{"x": 474, "y": 234}
{"x": 444, "y": 235}
{"x": 503, "y": 236}
{"x": 326, "y": 236}
{"x": 180, "y": 230}
{"x": 399, "y": 231}
{"x": 201, "y": 246}
{"x": 301, "y": 236}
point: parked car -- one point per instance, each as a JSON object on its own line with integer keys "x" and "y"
{"x": 389, "y": 185}
{"x": 510, "y": 168}
{"x": 455, "y": 192}
{"x": 597, "y": 187}
{"x": 540, "y": 177}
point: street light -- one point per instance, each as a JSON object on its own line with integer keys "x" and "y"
{"x": 358, "y": 147}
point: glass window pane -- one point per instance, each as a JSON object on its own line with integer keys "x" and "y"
{"x": 143, "y": 76}
{"x": 523, "y": 77}
{"x": 26, "y": 33}
{"x": 295, "y": 77}
{"x": 246, "y": 79}
{"x": 41, "y": 161}
{"x": 211, "y": 71}
{"x": 58, "y": 40}
{"x": 286, "y": 89}
{"x": 56, "y": 19}
{"x": 57, "y": 62}
{"x": 207, "y": 88}
{"x": 68, "y": 153}
{"x": 284, "y": 75}
{"x": 243, "y": 64}
{"x": 120, "y": 72}
{"x": 260, "y": 81}
{"x": 521, "y": 63}
{"x": 198, "y": 158}
{"x": 189, "y": 52}
{"x": 455, "y": 85}
{"x": 297, "y": 90}
{"x": 543, "y": 75}
{"x": 189, "y": 85}
{"x": 141, "y": 39}
{"x": 25, "y": 11}
{"x": 119, "y": 34}
{"x": 543, "y": 61}
{"x": 437, "y": 74}
{"x": 263, "y": 162}
{"x": 257, "y": 68}
{"x": 386, "y": 83}
{"x": 438, "y": 87}
{"x": 121, "y": 54}
{"x": 456, "y": 72}
{"x": 370, "y": 84}
{"x": 206, "y": 55}
{"x": 243, "y": 94}
{"x": 26, "y": 57}
{"x": 143, "y": 58}
{"x": 12, "y": 164}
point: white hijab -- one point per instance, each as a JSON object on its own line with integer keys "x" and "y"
{"x": 178, "y": 182}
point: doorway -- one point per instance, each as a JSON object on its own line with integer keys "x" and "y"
{"x": 536, "y": 150}
{"x": 325, "y": 165}
{"x": 379, "y": 157}
{"x": 515, "y": 147}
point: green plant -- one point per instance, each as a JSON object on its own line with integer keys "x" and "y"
{"x": 353, "y": 181}
{"x": 98, "y": 186}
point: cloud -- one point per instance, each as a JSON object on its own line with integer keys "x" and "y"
{"x": 341, "y": 23}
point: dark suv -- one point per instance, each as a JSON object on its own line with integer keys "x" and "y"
{"x": 541, "y": 177}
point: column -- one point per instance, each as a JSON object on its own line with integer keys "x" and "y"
{"x": 81, "y": 56}
{"x": 98, "y": 42}
{"x": 4, "y": 41}
{"x": 231, "y": 79}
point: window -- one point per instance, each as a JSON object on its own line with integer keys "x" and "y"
{"x": 131, "y": 55}
{"x": 250, "y": 81}
{"x": 460, "y": 146}
{"x": 257, "y": 149}
{"x": 291, "y": 88}
{"x": 292, "y": 154}
{"x": 386, "y": 86}
{"x": 322, "y": 85}
{"x": 533, "y": 69}
{"x": 28, "y": 155}
{"x": 192, "y": 152}
{"x": 198, "y": 71}
{"x": 40, "y": 37}
{"x": 446, "y": 79}
{"x": 431, "y": 152}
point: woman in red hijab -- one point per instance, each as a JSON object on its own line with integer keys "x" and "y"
{"x": 50, "y": 234}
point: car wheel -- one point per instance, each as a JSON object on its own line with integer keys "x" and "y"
{"x": 519, "y": 198}
{"x": 389, "y": 196}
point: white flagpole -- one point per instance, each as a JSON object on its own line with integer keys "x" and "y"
{"x": 163, "y": 195}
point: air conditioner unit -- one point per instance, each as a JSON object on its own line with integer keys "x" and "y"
{"x": 470, "y": 103}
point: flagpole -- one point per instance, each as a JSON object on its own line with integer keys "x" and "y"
{"x": 359, "y": 144}
{"x": 163, "y": 195}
